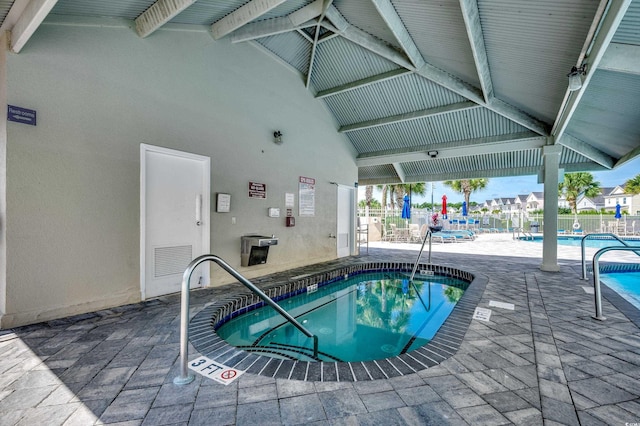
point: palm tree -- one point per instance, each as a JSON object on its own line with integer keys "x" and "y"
{"x": 575, "y": 184}
{"x": 467, "y": 186}
{"x": 632, "y": 186}
{"x": 408, "y": 188}
{"x": 385, "y": 189}
{"x": 368, "y": 195}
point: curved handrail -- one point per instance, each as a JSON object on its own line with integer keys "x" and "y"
{"x": 596, "y": 277}
{"x": 605, "y": 234}
{"x": 185, "y": 377}
{"x": 527, "y": 235}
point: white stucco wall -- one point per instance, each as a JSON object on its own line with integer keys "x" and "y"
{"x": 73, "y": 180}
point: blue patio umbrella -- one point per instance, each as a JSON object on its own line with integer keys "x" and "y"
{"x": 464, "y": 208}
{"x": 618, "y": 214}
{"x": 406, "y": 208}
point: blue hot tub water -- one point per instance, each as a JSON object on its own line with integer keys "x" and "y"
{"x": 365, "y": 317}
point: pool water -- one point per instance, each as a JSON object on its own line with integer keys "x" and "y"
{"x": 593, "y": 243}
{"x": 365, "y": 317}
{"x": 626, "y": 284}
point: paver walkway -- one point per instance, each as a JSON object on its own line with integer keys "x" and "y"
{"x": 544, "y": 362}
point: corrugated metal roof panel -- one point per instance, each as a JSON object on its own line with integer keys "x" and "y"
{"x": 496, "y": 164}
{"x": 438, "y": 30}
{"x": 363, "y": 15}
{"x": 128, "y": 9}
{"x": 407, "y": 134}
{"x": 397, "y": 96}
{"x": 433, "y": 130}
{"x": 528, "y": 65}
{"x": 291, "y": 47}
{"x": 385, "y": 173}
{"x": 339, "y": 62}
{"x": 609, "y": 113}
{"x": 629, "y": 30}
{"x": 5, "y": 7}
{"x": 206, "y": 12}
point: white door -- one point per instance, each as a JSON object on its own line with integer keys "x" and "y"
{"x": 345, "y": 235}
{"x": 174, "y": 218}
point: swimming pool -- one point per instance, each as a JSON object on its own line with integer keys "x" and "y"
{"x": 626, "y": 284}
{"x": 237, "y": 301}
{"x": 365, "y": 317}
{"x": 593, "y": 242}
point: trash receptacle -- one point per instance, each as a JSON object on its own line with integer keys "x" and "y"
{"x": 534, "y": 226}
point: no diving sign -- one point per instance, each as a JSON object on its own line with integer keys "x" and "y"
{"x": 214, "y": 370}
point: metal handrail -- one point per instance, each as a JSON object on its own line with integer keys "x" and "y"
{"x": 526, "y": 234}
{"x": 415, "y": 266}
{"x": 185, "y": 377}
{"x": 596, "y": 277}
{"x": 583, "y": 251}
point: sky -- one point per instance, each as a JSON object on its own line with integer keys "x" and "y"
{"x": 510, "y": 187}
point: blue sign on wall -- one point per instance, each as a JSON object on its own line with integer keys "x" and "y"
{"x": 21, "y": 115}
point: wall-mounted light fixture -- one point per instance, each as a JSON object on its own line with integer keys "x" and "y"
{"x": 277, "y": 137}
{"x": 575, "y": 77}
{"x": 432, "y": 154}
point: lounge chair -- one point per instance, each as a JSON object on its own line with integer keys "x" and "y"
{"x": 414, "y": 233}
{"x": 443, "y": 237}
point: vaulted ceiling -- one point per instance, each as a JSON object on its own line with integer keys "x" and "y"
{"x": 428, "y": 90}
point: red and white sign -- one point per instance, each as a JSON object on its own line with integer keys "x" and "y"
{"x": 214, "y": 370}
{"x": 257, "y": 190}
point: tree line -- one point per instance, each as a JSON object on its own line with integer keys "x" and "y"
{"x": 572, "y": 187}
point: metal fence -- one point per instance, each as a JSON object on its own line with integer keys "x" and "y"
{"x": 505, "y": 222}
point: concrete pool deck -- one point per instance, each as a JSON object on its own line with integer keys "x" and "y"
{"x": 545, "y": 362}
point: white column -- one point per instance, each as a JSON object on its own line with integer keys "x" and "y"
{"x": 551, "y": 161}
{"x": 3, "y": 180}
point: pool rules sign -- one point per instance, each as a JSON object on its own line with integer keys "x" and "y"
{"x": 214, "y": 370}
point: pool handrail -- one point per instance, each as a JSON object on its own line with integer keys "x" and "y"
{"x": 604, "y": 234}
{"x": 526, "y": 234}
{"x": 185, "y": 378}
{"x": 596, "y": 276}
{"x": 424, "y": 240}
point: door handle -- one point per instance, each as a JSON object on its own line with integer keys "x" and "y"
{"x": 198, "y": 210}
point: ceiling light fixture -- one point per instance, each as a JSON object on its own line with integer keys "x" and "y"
{"x": 277, "y": 137}
{"x": 575, "y": 77}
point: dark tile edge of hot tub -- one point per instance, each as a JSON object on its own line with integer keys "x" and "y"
{"x": 445, "y": 343}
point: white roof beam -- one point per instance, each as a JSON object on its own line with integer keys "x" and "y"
{"x": 623, "y": 58}
{"x": 598, "y": 46}
{"x": 432, "y": 73}
{"x": 243, "y": 15}
{"x": 359, "y": 37}
{"x": 363, "y": 83}
{"x": 14, "y": 14}
{"x": 447, "y": 109}
{"x": 158, "y": 14}
{"x": 393, "y": 21}
{"x": 301, "y": 18}
{"x": 471, "y": 17}
{"x": 399, "y": 172}
{"x": 29, "y": 21}
{"x": 316, "y": 36}
{"x": 628, "y": 156}
{"x": 480, "y": 146}
{"x": 586, "y": 150}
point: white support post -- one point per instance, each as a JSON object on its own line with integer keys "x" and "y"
{"x": 551, "y": 162}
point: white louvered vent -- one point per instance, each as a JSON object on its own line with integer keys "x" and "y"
{"x": 171, "y": 260}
